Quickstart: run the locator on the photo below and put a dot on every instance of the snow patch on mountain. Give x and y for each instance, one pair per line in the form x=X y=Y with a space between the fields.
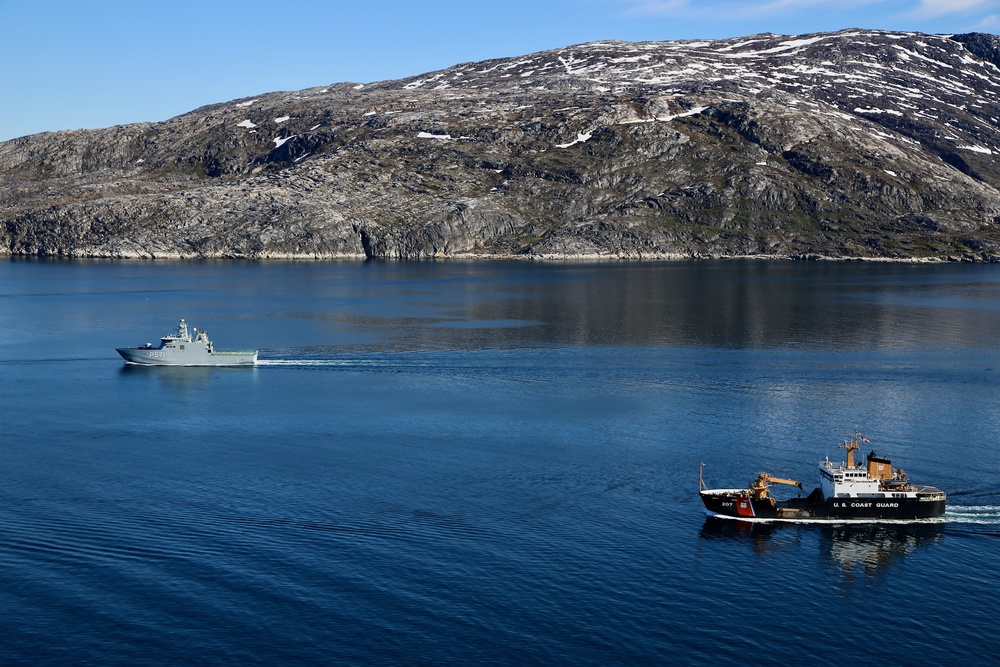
x=581 y=137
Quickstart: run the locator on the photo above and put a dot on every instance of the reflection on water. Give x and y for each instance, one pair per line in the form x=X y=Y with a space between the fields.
x=868 y=549
x=763 y=538
x=753 y=305
x=715 y=304
x=330 y=308
x=181 y=378
x=862 y=549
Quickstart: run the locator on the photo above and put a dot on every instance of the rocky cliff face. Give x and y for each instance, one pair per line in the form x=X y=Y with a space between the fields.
x=850 y=144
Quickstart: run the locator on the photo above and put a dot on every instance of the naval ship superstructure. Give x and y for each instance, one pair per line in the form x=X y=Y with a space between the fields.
x=183 y=349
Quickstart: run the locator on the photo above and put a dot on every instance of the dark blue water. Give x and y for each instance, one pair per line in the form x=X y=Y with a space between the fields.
x=451 y=463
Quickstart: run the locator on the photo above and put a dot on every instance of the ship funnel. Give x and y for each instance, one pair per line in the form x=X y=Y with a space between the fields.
x=879 y=467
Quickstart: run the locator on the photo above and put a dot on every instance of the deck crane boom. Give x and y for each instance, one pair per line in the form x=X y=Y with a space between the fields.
x=759 y=487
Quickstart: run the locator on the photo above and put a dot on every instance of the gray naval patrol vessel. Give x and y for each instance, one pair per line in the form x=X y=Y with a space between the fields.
x=181 y=349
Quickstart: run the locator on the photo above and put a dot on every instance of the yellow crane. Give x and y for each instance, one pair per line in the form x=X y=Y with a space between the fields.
x=759 y=487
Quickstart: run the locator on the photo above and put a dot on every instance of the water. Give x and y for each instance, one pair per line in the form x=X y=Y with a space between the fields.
x=449 y=463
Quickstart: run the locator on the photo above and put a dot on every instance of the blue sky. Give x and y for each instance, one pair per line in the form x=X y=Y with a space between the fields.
x=74 y=64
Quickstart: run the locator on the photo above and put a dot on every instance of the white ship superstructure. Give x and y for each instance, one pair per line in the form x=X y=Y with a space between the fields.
x=875 y=480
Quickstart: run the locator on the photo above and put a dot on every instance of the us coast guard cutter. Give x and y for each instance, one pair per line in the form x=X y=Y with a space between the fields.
x=181 y=349
x=870 y=491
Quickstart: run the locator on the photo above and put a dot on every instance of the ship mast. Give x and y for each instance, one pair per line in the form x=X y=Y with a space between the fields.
x=851 y=446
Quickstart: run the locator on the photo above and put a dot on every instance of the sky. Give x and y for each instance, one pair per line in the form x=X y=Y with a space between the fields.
x=71 y=64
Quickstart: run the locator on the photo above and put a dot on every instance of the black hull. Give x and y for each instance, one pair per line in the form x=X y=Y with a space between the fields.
x=835 y=509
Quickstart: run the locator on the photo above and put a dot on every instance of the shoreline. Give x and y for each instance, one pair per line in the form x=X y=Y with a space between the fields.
x=483 y=257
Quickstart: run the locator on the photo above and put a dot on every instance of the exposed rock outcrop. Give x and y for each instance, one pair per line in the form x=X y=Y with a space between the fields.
x=852 y=144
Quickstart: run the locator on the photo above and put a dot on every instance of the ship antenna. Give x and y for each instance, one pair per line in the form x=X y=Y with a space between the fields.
x=701 y=480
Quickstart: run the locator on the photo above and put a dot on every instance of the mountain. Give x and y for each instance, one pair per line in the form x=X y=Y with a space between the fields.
x=855 y=144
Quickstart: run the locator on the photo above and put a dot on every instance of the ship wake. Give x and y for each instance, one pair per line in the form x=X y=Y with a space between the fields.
x=981 y=514
x=317 y=362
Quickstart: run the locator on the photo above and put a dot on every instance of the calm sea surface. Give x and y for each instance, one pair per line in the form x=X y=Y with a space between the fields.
x=450 y=463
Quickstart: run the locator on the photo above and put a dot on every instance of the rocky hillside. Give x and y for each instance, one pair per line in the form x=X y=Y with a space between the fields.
x=850 y=144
